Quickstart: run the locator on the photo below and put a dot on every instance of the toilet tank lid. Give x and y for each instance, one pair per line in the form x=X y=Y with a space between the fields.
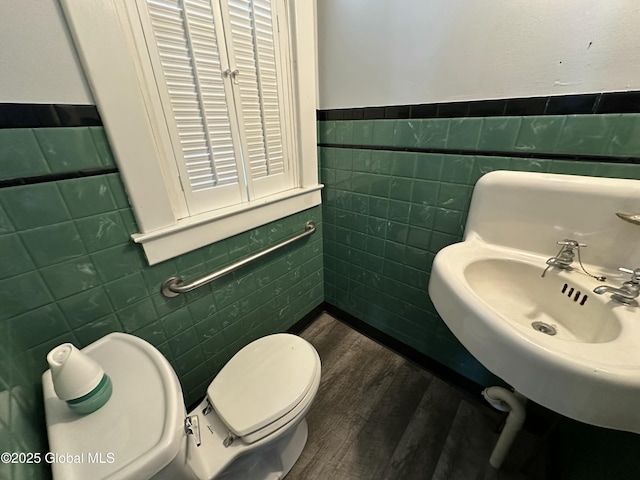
x=136 y=433
x=264 y=381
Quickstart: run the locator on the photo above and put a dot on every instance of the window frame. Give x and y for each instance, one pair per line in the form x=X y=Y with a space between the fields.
x=131 y=117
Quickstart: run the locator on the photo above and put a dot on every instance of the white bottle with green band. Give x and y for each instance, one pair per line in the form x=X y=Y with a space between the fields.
x=78 y=379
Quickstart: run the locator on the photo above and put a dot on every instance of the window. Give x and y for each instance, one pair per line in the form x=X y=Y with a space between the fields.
x=210 y=109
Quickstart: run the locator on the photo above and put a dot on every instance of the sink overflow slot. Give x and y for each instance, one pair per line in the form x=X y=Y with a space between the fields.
x=575 y=296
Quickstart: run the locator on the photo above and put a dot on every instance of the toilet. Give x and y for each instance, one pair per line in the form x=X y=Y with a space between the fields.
x=250 y=425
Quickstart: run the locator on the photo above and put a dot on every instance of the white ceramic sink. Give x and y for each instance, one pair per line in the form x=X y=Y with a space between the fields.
x=551 y=337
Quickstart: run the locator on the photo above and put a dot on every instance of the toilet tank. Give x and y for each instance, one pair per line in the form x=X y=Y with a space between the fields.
x=138 y=434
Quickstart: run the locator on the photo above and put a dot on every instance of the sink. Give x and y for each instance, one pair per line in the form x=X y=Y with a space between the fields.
x=559 y=305
x=550 y=337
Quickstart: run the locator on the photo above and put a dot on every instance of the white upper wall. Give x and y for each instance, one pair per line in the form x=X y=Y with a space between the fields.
x=398 y=52
x=37 y=58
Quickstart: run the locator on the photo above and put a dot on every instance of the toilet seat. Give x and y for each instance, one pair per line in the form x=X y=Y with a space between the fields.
x=265 y=385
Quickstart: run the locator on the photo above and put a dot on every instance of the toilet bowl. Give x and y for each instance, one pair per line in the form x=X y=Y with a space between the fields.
x=250 y=425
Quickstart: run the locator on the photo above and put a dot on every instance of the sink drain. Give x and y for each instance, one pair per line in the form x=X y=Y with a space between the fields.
x=544 y=328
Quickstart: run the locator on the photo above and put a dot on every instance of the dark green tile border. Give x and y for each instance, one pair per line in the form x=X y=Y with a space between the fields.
x=596 y=103
x=29 y=115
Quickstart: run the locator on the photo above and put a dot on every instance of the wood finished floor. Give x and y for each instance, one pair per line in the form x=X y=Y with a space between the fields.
x=378 y=416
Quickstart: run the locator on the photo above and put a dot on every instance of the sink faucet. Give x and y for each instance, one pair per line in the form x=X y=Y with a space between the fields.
x=564 y=258
x=629 y=290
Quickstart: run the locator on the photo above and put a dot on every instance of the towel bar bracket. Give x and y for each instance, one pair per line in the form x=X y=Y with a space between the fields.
x=174 y=286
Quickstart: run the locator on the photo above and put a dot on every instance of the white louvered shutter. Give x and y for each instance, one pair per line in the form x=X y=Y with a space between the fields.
x=183 y=41
x=227 y=131
x=251 y=33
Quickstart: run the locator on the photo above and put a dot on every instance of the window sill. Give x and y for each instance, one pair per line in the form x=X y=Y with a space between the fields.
x=195 y=232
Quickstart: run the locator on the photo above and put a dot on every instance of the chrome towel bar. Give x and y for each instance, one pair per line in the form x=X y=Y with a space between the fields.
x=174 y=286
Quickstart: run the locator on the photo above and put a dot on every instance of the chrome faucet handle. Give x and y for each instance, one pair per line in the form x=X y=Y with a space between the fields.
x=571 y=243
x=635 y=274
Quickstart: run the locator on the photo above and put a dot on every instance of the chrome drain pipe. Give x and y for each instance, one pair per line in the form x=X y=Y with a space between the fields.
x=506 y=401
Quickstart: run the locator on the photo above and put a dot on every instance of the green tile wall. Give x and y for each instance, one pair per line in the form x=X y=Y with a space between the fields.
x=387 y=212
x=70 y=273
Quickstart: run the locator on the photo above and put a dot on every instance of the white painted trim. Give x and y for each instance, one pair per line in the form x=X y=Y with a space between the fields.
x=117 y=76
x=116 y=86
x=201 y=230
x=303 y=52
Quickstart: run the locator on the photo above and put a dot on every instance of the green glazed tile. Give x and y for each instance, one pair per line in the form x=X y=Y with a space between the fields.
x=183 y=342
x=361 y=161
x=73 y=276
x=401 y=188
x=86 y=306
x=97 y=329
x=448 y=221
x=428 y=166
x=403 y=164
x=529 y=165
x=22 y=293
x=454 y=196
x=573 y=167
x=152 y=333
x=407 y=133
x=397 y=232
x=343 y=179
x=138 y=315
x=102 y=146
x=202 y=308
x=419 y=258
x=383 y=132
x=5 y=223
x=53 y=244
x=499 y=134
x=176 y=322
x=13 y=257
x=439 y=240
x=419 y=237
x=394 y=251
x=20 y=155
x=433 y=133
x=156 y=275
x=464 y=133
x=483 y=165
x=344 y=158
x=422 y=215
x=328 y=157
x=327 y=132
x=399 y=211
x=39 y=325
x=381 y=162
x=618 y=170
x=127 y=290
x=32 y=206
x=118 y=191
x=539 y=133
x=165 y=306
x=360 y=203
x=344 y=132
x=68 y=149
x=425 y=192
x=87 y=196
x=587 y=134
x=379 y=185
x=188 y=360
x=102 y=231
x=362 y=132
x=378 y=207
x=129 y=221
x=457 y=169
x=625 y=136
x=116 y=262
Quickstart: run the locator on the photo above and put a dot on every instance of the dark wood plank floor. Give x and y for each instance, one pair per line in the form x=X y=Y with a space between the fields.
x=378 y=416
